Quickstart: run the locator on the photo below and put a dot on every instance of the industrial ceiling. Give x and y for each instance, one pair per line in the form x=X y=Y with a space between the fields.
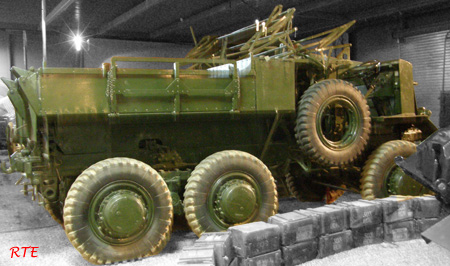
x=169 y=20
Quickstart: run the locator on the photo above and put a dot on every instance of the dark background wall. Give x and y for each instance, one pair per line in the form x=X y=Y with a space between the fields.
x=61 y=53
x=419 y=40
x=374 y=43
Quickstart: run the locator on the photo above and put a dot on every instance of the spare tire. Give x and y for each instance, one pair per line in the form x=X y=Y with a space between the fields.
x=333 y=122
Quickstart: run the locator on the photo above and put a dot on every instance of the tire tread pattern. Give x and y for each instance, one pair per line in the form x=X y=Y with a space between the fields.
x=197 y=188
x=304 y=193
x=305 y=129
x=93 y=253
x=378 y=161
x=53 y=209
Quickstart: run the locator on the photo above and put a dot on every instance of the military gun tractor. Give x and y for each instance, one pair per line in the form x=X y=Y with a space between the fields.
x=113 y=153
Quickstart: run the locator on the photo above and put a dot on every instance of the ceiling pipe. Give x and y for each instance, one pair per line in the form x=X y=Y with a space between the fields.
x=130 y=14
x=388 y=10
x=234 y=4
x=44 y=35
x=25 y=48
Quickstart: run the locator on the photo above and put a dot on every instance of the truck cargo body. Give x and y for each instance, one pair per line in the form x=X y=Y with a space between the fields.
x=141 y=113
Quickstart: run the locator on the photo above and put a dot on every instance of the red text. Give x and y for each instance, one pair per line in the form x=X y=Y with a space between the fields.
x=15 y=251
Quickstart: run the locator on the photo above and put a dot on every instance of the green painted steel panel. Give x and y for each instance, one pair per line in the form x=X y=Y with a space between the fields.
x=139 y=93
x=76 y=93
x=275 y=85
x=157 y=94
x=248 y=93
x=408 y=98
x=81 y=134
x=30 y=90
x=16 y=100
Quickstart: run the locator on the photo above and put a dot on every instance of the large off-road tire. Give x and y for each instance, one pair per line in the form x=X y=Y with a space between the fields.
x=229 y=188
x=303 y=189
x=333 y=122
x=118 y=209
x=55 y=211
x=381 y=177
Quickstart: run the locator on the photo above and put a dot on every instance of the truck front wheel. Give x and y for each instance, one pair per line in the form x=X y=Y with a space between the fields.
x=118 y=209
x=229 y=188
x=55 y=211
x=381 y=177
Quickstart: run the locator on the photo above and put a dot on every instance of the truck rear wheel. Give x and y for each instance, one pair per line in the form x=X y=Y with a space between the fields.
x=333 y=122
x=118 y=209
x=229 y=188
x=381 y=177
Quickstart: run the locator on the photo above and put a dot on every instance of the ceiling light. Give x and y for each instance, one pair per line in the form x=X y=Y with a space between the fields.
x=78 y=41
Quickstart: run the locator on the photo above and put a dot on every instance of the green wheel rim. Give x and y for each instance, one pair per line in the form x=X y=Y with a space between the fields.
x=337 y=122
x=396 y=182
x=225 y=207
x=121 y=212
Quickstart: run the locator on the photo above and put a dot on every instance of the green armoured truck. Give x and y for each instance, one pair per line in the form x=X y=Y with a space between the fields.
x=114 y=153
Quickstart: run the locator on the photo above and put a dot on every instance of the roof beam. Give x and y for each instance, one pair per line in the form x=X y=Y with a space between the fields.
x=381 y=11
x=135 y=11
x=202 y=17
x=396 y=7
x=440 y=26
x=58 y=10
x=198 y=18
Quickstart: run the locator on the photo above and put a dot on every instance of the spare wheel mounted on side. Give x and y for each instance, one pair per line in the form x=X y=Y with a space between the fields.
x=333 y=122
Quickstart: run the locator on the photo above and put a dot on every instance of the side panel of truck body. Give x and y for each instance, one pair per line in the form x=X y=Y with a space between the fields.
x=135 y=112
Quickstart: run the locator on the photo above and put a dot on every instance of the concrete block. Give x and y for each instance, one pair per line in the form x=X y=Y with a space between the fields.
x=368 y=235
x=296 y=227
x=335 y=243
x=221 y=242
x=426 y=207
x=331 y=219
x=396 y=209
x=399 y=231
x=268 y=259
x=197 y=255
x=363 y=213
x=300 y=252
x=253 y=239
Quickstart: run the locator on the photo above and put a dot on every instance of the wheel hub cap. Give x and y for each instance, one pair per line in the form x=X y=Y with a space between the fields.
x=122 y=214
x=401 y=184
x=237 y=201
